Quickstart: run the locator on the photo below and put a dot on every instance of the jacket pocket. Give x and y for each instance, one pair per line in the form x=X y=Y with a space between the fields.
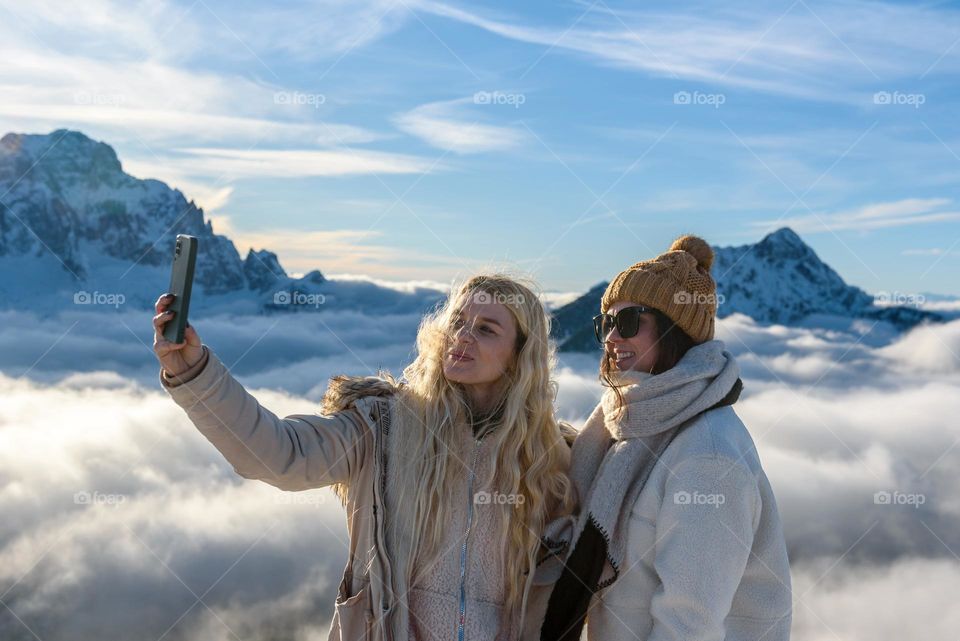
x=354 y=614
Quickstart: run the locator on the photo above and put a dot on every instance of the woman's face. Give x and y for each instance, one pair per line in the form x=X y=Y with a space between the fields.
x=637 y=352
x=481 y=344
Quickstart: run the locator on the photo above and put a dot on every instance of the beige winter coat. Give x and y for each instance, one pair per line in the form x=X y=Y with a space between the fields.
x=352 y=447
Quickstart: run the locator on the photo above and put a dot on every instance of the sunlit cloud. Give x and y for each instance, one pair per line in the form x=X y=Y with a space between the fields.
x=900 y=213
x=171 y=507
x=735 y=48
x=450 y=125
x=351 y=251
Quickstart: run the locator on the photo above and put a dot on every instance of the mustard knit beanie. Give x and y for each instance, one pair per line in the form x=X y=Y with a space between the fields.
x=677 y=282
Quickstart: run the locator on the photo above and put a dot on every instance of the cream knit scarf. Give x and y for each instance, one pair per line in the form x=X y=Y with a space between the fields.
x=615 y=452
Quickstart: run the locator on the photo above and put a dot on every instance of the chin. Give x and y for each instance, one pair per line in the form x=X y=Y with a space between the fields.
x=451 y=376
x=466 y=376
x=456 y=373
x=462 y=380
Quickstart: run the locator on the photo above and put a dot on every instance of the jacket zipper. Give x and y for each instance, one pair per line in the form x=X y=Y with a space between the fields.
x=463 y=549
x=383 y=422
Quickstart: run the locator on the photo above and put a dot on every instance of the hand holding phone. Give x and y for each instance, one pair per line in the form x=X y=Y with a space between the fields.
x=181 y=284
x=176 y=344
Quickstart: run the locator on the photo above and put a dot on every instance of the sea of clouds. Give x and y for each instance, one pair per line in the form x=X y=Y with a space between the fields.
x=122 y=521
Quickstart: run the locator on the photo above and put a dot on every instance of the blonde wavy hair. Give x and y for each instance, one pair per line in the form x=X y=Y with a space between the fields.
x=532 y=454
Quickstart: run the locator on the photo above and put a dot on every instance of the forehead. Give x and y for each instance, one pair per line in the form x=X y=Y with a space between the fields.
x=481 y=307
x=620 y=304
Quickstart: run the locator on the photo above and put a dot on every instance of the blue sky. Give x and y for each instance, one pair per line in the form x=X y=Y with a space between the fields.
x=419 y=140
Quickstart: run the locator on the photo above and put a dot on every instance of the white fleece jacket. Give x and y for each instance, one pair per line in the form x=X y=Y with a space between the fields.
x=706 y=559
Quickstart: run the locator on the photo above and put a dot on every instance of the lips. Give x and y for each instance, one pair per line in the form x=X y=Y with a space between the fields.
x=460 y=357
x=622 y=356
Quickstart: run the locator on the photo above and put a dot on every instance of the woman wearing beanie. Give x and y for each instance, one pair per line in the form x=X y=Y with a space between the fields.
x=679 y=536
x=449 y=478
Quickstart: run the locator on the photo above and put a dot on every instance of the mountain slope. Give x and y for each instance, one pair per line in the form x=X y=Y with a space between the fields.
x=778 y=280
x=72 y=221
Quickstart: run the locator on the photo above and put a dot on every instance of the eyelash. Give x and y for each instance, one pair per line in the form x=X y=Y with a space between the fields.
x=457 y=324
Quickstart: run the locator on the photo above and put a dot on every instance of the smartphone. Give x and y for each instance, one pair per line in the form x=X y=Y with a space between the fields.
x=181 y=283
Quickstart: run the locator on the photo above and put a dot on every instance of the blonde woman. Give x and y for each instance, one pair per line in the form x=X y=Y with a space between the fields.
x=448 y=478
x=679 y=536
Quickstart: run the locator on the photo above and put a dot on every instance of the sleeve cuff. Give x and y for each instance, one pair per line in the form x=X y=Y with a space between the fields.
x=171 y=380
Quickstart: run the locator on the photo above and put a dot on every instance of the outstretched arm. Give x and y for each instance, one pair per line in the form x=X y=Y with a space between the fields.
x=299 y=452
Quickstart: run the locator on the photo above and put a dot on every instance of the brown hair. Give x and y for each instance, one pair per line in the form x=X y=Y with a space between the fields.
x=671 y=342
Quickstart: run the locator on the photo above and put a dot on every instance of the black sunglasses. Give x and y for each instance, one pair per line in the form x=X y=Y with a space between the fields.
x=627 y=322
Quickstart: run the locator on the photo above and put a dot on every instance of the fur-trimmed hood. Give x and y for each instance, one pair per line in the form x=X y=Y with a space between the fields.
x=345 y=390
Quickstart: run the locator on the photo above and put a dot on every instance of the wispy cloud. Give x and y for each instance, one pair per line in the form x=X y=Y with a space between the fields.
x=159 y=102
x=104 y=29
x=308 y=31
x=207 y=175
x=932 y=251
x=160 y=82
x=900 y=213
x=449 y=125
x=209 y=198
x=801 y=49
x=287 y=163
x=347 y=251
